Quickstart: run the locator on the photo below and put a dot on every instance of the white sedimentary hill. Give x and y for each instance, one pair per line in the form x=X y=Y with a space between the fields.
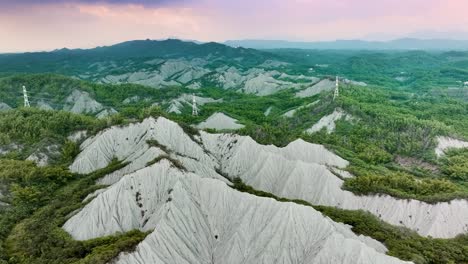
x=300 y=170
x=220 y=121
x=446 y=143
x=170 y=72
x=328 y=121
x=323 y=85
x=199 y=220
x=268 y=111
x=176 y=105
x=4 y=106
x=81 y=102
x=106 y=113
x=130 y=144
x=41 y=104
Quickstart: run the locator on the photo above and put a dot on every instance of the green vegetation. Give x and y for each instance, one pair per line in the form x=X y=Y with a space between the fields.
x=42 y=199
x=455 y=165
x=54 y=89
x=415 y=70
x=30 y=125
x=402 y=243
x=76 y=62
x=386 y=124
x=406 y=186
x=29 y=130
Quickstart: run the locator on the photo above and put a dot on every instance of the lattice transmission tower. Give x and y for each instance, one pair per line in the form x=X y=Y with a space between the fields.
x=25 y=95
x=194 y=106
x=337 y=89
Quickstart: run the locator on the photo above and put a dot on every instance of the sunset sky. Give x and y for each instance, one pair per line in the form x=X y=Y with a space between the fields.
x=27 y=25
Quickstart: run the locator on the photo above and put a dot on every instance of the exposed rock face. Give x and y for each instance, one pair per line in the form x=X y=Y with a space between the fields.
x=301 y=77
x=328 y=121
x=446 y=143
x=5 y=149
x=258 y=81
x=42 y=157
x=200 y=220
x=230 y=78
x=347 y=81
x=133 y=99
x=44 y=105
x=161 y=73
x=177 y=104
x=106 y=113
x=4 y=107
x=129 y=144
x=273 y=64
x=78 y=136
x=194 y=86
x=143 y=77
x=299 y=171
x=323 y=85
x=292 y=112
x=171 y=72
x=264 y=83
x=220 y=121
x=268 y=111
x=81 y=102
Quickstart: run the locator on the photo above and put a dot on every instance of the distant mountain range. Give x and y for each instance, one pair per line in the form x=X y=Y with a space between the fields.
x=398 y=44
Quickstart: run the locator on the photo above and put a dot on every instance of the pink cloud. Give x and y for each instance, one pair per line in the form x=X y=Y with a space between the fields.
x=50 y=26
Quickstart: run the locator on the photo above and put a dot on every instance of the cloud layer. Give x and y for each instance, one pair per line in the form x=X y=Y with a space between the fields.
x=44 y=25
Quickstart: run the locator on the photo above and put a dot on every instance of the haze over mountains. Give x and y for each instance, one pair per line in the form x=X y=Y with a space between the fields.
x=397 y=44
x=418 y=41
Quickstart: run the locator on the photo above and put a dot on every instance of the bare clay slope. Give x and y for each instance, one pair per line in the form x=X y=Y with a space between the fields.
x=299 y=171
x=199 y=220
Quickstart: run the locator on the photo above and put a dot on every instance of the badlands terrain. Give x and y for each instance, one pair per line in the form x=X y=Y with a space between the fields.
x=109 y=165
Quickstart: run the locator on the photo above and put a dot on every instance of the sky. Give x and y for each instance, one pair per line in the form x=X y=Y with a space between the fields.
x=31 y=25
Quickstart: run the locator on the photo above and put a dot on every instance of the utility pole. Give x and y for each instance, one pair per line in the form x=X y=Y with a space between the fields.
x=337 y=90
x=194 y=106
x=25 y=95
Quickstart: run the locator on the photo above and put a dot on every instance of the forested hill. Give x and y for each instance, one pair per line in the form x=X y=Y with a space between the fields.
x=172 y=62
x=75 y=61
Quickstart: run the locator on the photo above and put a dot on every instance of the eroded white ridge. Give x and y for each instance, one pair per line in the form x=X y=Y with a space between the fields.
x=300 y=170
x=130 y=145
x=328 y=121
x=446 y=143
x=220 y=121
x=200 y=220
x=316 y=88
